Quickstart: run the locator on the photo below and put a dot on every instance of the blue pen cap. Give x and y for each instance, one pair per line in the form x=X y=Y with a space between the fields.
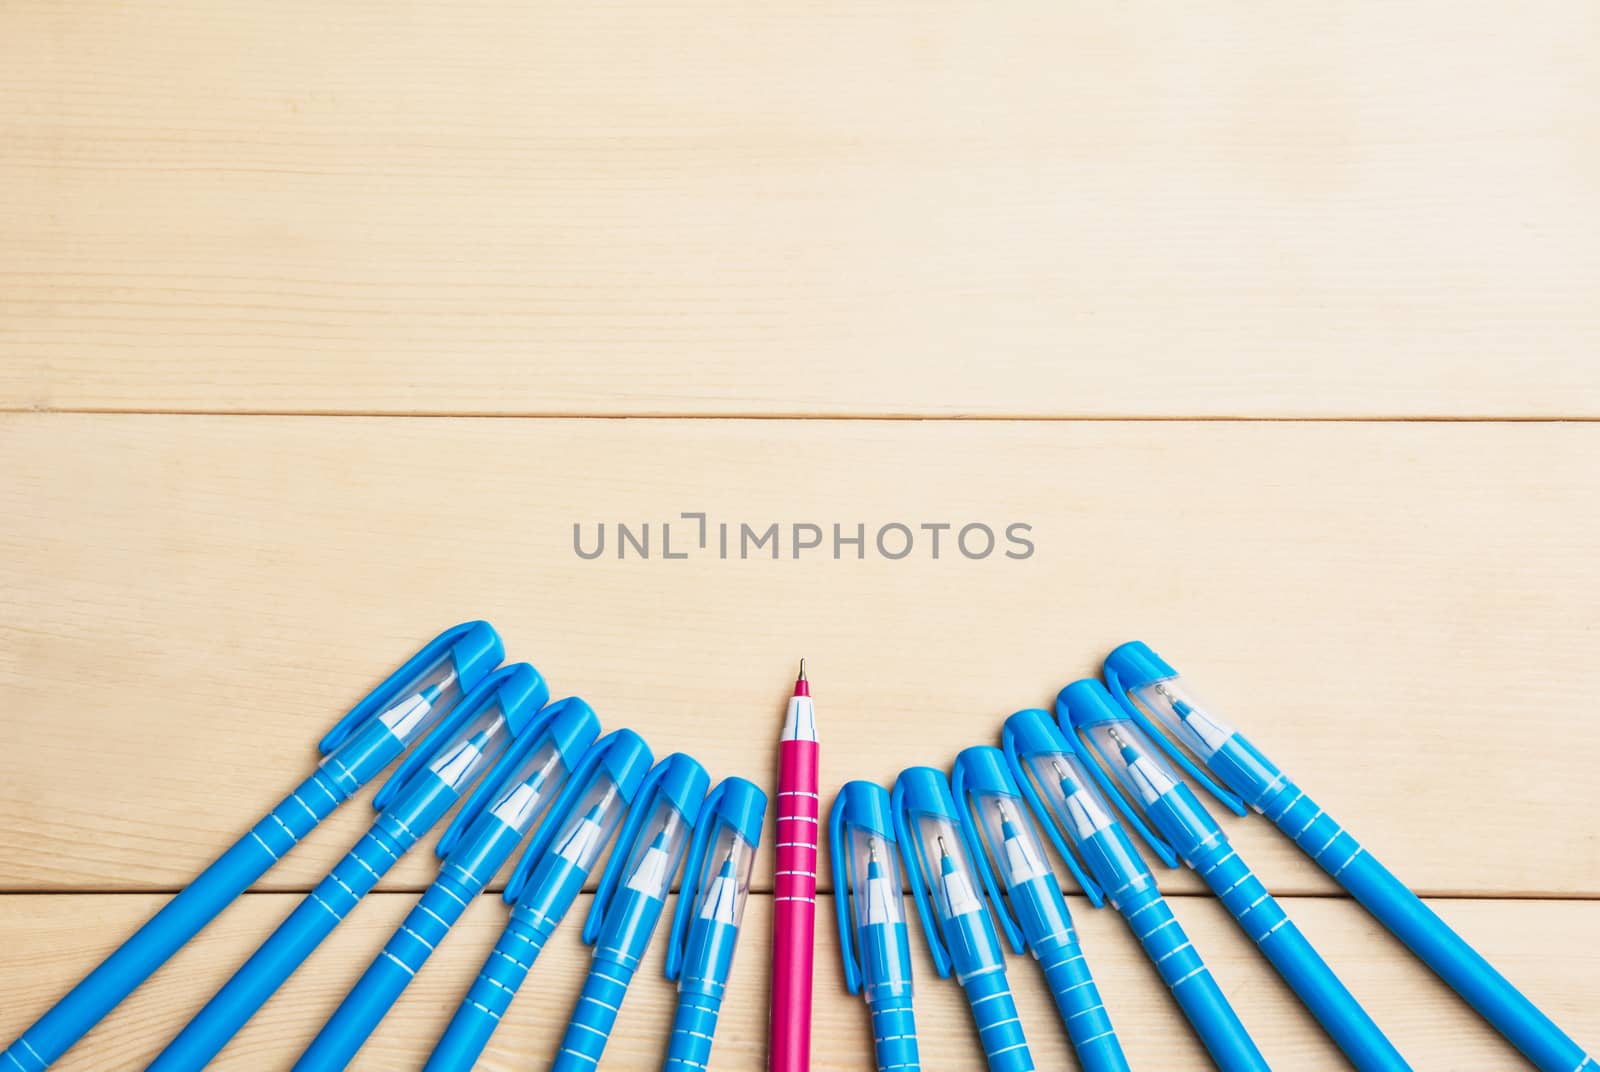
x=1086 y=707
x=866 y=876
x=475 y=733
x=1155 y=696
x=531 y=773
x=591 y=806
x=1042 y=761
x=723 y=850
x=653 y=840
x=412 y=699
x=940 y=862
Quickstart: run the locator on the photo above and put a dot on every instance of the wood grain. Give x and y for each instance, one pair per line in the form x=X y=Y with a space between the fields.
x=1548 y=948
x=704 y=207
x=1402 y=614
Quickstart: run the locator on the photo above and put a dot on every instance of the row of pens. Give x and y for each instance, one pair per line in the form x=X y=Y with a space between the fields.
x=487 y=737
x=1109 y=760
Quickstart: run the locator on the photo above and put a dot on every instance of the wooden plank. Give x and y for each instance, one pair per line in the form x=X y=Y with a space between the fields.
x=1548 y=948
x=720 y=208
x=1402 y=614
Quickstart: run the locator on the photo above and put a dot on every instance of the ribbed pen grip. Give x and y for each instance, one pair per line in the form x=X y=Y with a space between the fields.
x=180 y=920
x=894 y=1035
x=1428 y=936
x=1192 y=986
x=693 y=1028
x=594 y=1016
x=1301 y=966
x=385 y=979
x=1066 y=972
x=490 y=995
x=999 y=1029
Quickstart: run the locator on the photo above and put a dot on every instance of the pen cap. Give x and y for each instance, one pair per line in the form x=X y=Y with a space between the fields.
x=474 y=734
x=590 y=808
x=866 y=876
x=1110 y=736
x=939 y=860
x=531 y=773
x=411 y=700
x=1156 y=697
x=652 y=843
x=723 y=851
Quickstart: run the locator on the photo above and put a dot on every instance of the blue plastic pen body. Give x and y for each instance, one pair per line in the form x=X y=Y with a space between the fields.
x=383 y=724
x=299 y=935
x=1179 y=818
x=1033 y=911
x=628 y=905
x=1132 y=890
x=960 y=931
x=616 y=960
x=427 y=786
x=484 y=835
x=548 y=879
x=1046 y=764
x=708 y=957
x=1133 y=671
x=554 y=885
x=705 y=922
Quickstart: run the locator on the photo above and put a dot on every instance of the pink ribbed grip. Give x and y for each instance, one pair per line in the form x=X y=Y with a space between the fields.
x=794 y=908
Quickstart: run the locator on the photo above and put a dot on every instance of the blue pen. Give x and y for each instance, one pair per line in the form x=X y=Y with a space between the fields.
x=547 y=880
x=1053 y=778
x=428 y=784
x=624 y=915
x=369 y=738
x=1152 y=693
x=871 y=914
x=961 y=934
x=1184 y=828
x=504 y=807
x=705 y=923
x=991 y=809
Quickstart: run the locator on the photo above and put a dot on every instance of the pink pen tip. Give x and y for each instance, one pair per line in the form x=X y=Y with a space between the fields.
x=802 y=687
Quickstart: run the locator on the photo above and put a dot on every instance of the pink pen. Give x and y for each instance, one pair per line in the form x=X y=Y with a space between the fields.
x=794 y=887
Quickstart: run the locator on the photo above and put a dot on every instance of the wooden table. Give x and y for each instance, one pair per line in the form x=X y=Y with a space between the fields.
x=322 y=329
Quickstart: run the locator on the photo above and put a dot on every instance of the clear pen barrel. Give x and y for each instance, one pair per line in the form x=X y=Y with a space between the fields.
x=530 y=788
x=657 y=851
x=1009 y=837
x=730 y=861
x=472 y=748
x=1134 y=759
x=590 y=823
x=948 y=871
x=1067 y=791
x=1171 y=705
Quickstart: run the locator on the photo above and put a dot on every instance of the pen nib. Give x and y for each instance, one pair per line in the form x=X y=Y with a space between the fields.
x=802 y=687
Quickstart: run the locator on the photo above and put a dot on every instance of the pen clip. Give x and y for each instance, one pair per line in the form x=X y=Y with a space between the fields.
x=1136 y=658
x=680 y=782
x=518 y=689
x=844 y=891
x=1035 y=727
x=978 y=764
x=738 y=806
x=466 y=652
x=626 y=758
x=1080 y=707
x=569 y=724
